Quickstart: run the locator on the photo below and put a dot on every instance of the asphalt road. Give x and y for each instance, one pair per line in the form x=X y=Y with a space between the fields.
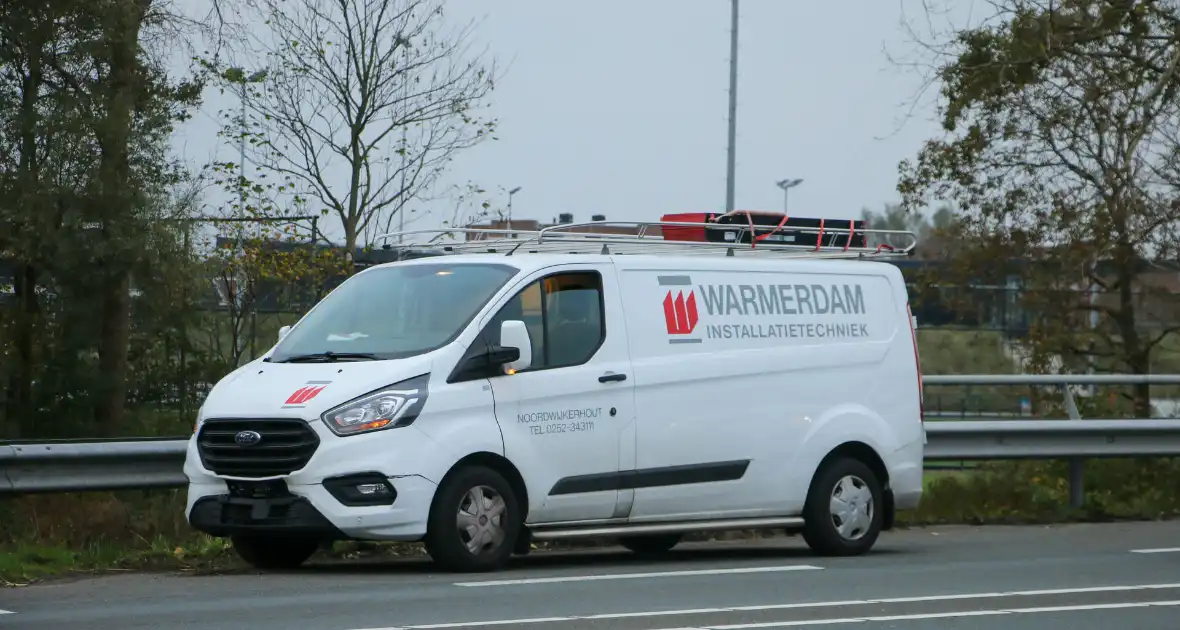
x=1089 y=577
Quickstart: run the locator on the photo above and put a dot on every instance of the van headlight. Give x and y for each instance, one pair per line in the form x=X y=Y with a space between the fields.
x=397 y=405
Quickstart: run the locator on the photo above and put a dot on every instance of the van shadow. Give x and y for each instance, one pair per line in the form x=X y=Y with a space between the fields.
x=600 y=558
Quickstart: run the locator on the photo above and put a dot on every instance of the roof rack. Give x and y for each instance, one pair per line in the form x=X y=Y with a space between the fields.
x=649 y=237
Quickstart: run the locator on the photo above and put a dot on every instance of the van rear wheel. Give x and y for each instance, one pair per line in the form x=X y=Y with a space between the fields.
x=275 y=551
x=651 y=545
x=474 y=522
x=843 y=515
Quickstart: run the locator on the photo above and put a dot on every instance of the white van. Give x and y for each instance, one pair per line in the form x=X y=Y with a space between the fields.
x=568 y=383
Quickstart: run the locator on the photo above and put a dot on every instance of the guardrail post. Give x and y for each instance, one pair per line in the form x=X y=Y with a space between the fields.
x=1077 y=494
x=1077 y=467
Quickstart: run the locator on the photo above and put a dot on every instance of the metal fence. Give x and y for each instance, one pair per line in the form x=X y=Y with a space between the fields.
x=74 y=466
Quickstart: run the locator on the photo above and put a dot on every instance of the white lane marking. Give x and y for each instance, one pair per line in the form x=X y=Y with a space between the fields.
x=801 y=605
x=945 y=615
x=634 y=576
x=501 y=622
x=1164 y=550
x=7 y=612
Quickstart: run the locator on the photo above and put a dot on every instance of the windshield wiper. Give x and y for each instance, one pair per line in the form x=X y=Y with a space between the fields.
x=329 y=357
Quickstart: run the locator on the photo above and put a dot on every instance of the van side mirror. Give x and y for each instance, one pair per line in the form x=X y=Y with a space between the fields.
x=283 y=332
x=515 y=335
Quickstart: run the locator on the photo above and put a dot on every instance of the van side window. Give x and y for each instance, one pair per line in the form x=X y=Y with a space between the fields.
x=563 y=314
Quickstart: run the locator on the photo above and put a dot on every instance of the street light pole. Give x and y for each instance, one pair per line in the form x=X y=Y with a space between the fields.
x=510 y=194
x=787 y=185
x=401 y=199
x=242 y=158
x=731 y=158
x=256 y=77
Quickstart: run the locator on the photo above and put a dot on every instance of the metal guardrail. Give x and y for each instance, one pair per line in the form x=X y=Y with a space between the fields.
x=141 y=463
x=994 y=440
x=69 y=466
x=1051 y=379
x=1074 y=440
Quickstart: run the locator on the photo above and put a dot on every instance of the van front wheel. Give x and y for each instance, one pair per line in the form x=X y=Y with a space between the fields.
x=274 y=552
x=843 y=513
x=474 y=522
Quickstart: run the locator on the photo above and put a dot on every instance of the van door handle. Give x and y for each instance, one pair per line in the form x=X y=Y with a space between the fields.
x=611 y=378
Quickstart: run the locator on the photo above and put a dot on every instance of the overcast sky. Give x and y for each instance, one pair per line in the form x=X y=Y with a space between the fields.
x=618 y=107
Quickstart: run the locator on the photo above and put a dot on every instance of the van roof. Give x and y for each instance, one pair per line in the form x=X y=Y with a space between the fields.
x=539 y=261
x=665 y=239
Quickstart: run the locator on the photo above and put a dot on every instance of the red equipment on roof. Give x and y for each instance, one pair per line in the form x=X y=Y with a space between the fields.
x=757 y=222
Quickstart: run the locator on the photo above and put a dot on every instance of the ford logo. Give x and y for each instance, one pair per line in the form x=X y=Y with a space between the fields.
x=248 y=438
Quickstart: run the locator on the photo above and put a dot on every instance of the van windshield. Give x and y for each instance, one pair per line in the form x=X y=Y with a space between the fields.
x=393 y=312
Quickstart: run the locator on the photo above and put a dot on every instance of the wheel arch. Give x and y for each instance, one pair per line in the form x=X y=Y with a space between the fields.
x=500 y=464
x=862 y=452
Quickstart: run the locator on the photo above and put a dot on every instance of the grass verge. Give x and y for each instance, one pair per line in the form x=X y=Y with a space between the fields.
x=1038 y=492
x=64 y=535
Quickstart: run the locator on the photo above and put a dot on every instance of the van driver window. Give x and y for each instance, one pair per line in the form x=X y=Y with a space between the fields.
x=563 y=314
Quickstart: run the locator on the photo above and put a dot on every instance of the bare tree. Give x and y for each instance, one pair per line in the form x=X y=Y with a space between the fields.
x=364 y=105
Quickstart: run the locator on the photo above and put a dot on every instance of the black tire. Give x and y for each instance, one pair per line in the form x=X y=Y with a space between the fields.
x=651 y=545
x=820 y=529
x=448 y=546
x=274 y=551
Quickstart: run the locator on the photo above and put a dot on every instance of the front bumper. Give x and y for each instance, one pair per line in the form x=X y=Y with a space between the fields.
x=302 y=504
x=311 y=510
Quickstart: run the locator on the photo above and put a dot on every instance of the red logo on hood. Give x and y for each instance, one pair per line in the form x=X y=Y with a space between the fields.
x=304 y=394
x=680 y=314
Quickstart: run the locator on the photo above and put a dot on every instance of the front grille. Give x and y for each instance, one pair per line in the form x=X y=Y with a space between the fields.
x=286 y=446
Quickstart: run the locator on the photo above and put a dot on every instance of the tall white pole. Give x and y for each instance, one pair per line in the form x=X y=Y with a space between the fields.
x=731 y=160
